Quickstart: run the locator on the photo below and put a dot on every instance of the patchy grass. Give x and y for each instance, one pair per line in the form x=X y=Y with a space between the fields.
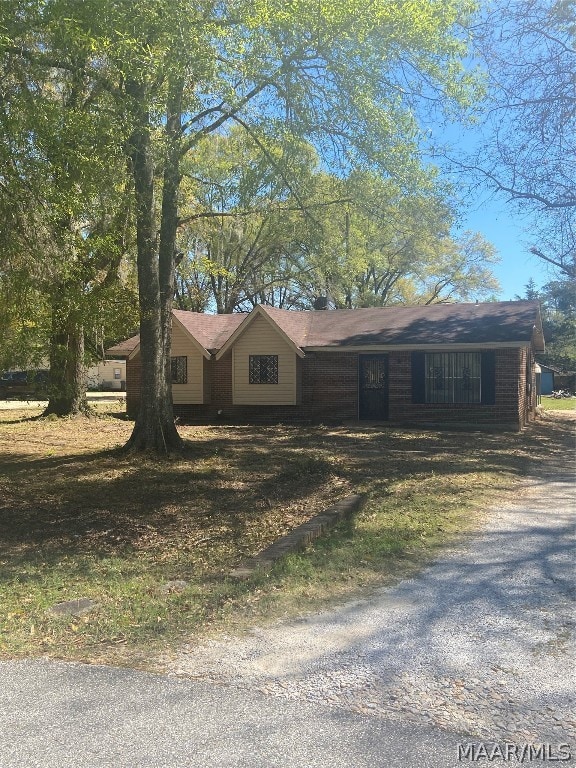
x=558 y=404
x=78 y=520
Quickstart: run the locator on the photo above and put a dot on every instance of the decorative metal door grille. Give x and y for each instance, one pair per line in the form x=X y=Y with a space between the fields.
x=373 y=387
x=373 y=374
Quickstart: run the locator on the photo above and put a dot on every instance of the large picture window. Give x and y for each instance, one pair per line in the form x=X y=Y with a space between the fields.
x=179 y=368
x=453 y=377
x=263 y=369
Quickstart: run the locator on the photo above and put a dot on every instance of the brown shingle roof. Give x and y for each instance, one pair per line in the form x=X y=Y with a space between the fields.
x=489 y=323
x=211 y=331
x=296 y=325
x=123 y=348
x=493 y=322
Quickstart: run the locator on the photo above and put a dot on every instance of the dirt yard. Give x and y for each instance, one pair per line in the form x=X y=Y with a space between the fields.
x=79 y=520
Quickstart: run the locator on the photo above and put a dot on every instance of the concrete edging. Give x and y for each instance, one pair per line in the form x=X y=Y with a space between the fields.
x=300 y=536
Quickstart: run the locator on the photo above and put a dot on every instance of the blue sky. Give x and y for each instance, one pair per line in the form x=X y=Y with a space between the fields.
x=509 y=232
x=490 y=213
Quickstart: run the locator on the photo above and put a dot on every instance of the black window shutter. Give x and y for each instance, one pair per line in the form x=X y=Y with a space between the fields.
x=488 y=374
x=418 y=377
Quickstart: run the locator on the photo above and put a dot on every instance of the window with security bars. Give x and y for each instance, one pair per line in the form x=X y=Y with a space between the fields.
x=453 y=377
x=263 y=369
x=179 y=368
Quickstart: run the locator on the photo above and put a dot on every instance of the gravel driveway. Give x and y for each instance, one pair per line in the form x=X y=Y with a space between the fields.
x=480 y=642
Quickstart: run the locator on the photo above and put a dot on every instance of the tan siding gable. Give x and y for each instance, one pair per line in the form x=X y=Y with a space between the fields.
x=193 y=391
x=261 y=338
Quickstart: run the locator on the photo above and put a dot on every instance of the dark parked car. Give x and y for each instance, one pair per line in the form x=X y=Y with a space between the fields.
x=24 y=384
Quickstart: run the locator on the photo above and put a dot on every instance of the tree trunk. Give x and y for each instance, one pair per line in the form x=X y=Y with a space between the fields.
x=154 y=429
x=67 y=391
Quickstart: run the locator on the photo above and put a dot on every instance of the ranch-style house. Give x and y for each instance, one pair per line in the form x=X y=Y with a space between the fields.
x=467 y=363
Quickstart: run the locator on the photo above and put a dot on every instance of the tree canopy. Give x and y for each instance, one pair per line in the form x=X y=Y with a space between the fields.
x=65 y=223
x=288 y=234
x=347 y=77
x=558 y=302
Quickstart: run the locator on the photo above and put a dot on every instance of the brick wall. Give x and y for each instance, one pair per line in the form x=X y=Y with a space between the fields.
x=207 y=375
x=329 y=392
x=221 y=393
x=506 y=411
x=330 y=385
x=527 y=398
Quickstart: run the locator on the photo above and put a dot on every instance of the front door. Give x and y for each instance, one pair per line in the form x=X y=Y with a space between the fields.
x=373 y=387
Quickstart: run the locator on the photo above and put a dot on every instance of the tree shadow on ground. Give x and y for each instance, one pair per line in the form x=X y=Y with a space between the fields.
x=234 y=481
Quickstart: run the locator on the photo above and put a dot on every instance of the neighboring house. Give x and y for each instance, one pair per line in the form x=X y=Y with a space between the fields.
x=468 y=363
x=107 y=375
x=553 y=378
x=546 y=379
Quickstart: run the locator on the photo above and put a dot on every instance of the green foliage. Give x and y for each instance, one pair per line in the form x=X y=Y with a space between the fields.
x=560 y=333
x=558 y=304
x=241 y=202
x=140 y=85
x=381 y=245
x=265 y=225
x=343 y=74
x=64 y=210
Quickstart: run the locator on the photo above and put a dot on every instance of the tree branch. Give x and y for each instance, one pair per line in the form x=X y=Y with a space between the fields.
x=566 y=268
x=255 y=212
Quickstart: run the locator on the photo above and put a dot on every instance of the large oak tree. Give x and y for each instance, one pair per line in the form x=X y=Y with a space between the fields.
x=65 y=216
x=348 y=76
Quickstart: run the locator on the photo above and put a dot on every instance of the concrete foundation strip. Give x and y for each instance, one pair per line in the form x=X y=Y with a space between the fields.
x=300 y=536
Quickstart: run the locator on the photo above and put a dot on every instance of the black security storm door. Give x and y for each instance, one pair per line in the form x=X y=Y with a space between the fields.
x=373 y=387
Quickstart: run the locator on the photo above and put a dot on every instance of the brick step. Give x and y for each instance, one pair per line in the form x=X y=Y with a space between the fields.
x=301 y=536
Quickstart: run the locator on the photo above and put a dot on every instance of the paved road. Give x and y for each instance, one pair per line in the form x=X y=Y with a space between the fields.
x=57 y=715
x=92 y=397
